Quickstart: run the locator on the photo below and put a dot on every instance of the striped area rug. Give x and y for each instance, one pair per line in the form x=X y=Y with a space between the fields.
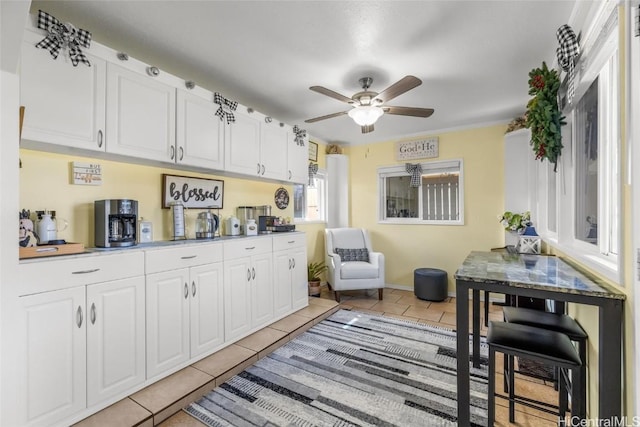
x=352 y=369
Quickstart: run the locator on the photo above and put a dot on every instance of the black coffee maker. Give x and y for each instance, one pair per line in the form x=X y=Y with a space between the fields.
x=115 y=223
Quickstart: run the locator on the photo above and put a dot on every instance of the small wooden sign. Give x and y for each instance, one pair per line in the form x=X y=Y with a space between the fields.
x=420 y=149
x=192 y=192
x=86 y=173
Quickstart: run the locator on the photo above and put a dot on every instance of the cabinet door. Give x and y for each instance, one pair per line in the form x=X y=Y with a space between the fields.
x=115 y=338
x=54 y=357
x=237 y=297
x=207 y=308
x=140 y=115
x=64 y=105
x=299 y=283
x=167 y=320
x=297 y=160
x=242 y=143
x=283 y=264
x=199 y=132
x=273 y=151
x=262 y=292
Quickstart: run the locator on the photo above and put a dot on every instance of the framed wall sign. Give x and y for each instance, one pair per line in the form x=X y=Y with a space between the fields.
x=313 y=151
x=420 y=149
x=192 y=192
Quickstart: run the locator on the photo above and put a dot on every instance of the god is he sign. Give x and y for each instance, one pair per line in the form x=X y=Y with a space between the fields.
x=420 y=149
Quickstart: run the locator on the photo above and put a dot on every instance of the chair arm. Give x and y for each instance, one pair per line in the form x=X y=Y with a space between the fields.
x=376 y=258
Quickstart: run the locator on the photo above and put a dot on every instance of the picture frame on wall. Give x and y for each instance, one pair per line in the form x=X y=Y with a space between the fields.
x=313 y=151
x=199 y=193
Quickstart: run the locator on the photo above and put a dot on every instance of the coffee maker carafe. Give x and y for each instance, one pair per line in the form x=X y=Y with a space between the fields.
x=116 y=223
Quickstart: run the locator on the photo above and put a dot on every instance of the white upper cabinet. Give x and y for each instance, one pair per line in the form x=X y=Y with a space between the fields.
x=199 y=132
x=242 y=143
x=64 y=105
x=141 y=113
x=297 y=159
x=274 y=141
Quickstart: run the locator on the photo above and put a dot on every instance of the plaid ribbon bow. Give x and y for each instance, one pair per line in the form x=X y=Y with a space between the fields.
x=567 y=52
x=415 y=170
x=300 y=134
x=313 y=170
x=63 y=36
x=226 y=108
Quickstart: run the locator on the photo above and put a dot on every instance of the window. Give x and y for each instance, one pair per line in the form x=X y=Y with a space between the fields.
x=437 y=200
x=310 y=201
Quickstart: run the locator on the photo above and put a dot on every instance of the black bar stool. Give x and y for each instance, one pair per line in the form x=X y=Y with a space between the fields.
x=542 y=345
x=555 y=322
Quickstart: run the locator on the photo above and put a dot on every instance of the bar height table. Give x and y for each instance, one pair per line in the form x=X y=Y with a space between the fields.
x=545 y=277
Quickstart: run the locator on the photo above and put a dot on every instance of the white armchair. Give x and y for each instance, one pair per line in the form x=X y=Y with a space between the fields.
x=351 y=262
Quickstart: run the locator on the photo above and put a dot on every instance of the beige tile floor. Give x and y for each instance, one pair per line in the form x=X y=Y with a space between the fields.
x=160 y=403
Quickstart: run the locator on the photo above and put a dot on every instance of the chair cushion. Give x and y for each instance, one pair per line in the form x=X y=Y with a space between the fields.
x=347 y=255
x=555 y=322
x=523 y=340
x=358 y=270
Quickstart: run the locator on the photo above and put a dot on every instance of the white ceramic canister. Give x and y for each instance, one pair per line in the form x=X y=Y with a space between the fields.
x=252 y=228
x=47 y=228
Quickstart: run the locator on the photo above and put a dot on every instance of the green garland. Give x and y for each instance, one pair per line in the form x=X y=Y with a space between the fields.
x=543 y=115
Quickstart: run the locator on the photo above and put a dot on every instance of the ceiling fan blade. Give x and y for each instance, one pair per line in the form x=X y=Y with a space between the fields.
x=409 y=111
x=328 y=116
x=366 y=128
x=331 y=94
x=398 y=88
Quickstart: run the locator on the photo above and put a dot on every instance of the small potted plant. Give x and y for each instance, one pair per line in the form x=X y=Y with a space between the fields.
x=314 y=271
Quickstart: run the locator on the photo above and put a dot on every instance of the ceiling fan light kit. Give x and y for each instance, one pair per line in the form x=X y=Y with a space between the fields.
x=368 y=105
x=365 y=115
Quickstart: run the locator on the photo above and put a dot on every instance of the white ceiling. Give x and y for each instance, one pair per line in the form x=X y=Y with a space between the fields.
x=473 y=57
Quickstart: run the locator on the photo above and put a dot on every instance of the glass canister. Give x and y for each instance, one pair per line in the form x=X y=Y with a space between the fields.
x=244 y=214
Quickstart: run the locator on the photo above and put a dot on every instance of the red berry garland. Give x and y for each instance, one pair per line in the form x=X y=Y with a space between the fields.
x=543 y=115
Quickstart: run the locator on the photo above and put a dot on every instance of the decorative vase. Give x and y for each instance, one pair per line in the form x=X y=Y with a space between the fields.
x=511 y=238
x=314 y=289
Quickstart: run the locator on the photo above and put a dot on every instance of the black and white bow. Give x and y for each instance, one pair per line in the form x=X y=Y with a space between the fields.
x=62 y=36
x=226 y=108
x=567 y=53
x=415 y=170
x=300 y=135
x=313 y=170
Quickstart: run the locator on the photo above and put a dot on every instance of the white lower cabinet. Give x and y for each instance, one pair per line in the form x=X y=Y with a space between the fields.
x=290 y=274
x=184 y=305
x=248 y=285
x=83 y=345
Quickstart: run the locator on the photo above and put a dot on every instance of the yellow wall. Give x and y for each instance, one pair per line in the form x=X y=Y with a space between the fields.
x=407 y=247
x=45 y=184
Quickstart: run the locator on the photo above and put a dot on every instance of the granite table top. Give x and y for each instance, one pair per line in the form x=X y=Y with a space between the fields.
x=534 y=272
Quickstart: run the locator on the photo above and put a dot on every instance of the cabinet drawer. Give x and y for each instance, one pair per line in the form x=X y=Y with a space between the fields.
x=288 y=240
x=247 y=247
x=49 y=275
x=165 y=259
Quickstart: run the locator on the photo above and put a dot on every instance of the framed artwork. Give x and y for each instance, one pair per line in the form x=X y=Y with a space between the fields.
x=313 y=151
x=200 y=193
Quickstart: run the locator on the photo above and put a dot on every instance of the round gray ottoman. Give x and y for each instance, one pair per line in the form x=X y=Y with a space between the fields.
x=430 y=284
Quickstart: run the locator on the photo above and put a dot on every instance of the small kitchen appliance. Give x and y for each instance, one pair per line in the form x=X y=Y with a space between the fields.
x=232 y=226
x=206 y=225
x=244 y=214
x=264 y=221
x=264 y=210
x=115 y=222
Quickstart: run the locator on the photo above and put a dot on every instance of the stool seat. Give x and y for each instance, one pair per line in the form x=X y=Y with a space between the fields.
x=534 y=343
x=430 y=284
x=552 y=321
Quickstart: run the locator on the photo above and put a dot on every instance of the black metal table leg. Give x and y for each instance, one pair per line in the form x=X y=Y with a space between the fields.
x=462 y=348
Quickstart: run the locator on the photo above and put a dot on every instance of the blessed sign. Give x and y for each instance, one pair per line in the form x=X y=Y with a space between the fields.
x=420 y=149
x=192 y=192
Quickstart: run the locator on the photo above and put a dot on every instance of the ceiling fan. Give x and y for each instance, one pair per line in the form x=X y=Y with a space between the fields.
x=368 y=105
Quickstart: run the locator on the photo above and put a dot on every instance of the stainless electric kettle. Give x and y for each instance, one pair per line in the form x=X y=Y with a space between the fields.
x=206 y=225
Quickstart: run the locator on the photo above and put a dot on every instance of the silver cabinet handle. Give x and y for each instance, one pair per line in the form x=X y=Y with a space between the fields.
x=248 y=275
x=289 y=263
x=258 y=168
x=289 y=174
x=294 y=262
x=85 y=271
x=79 y=317
x=186 y=290
x=92 y=314
x=189 y=257
x=291 y=241
x=100 y=138
x=250 y=248
x=253 y=273
x=173 y=152
x=193 y=288
x=262 y=170
x=181 y=153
